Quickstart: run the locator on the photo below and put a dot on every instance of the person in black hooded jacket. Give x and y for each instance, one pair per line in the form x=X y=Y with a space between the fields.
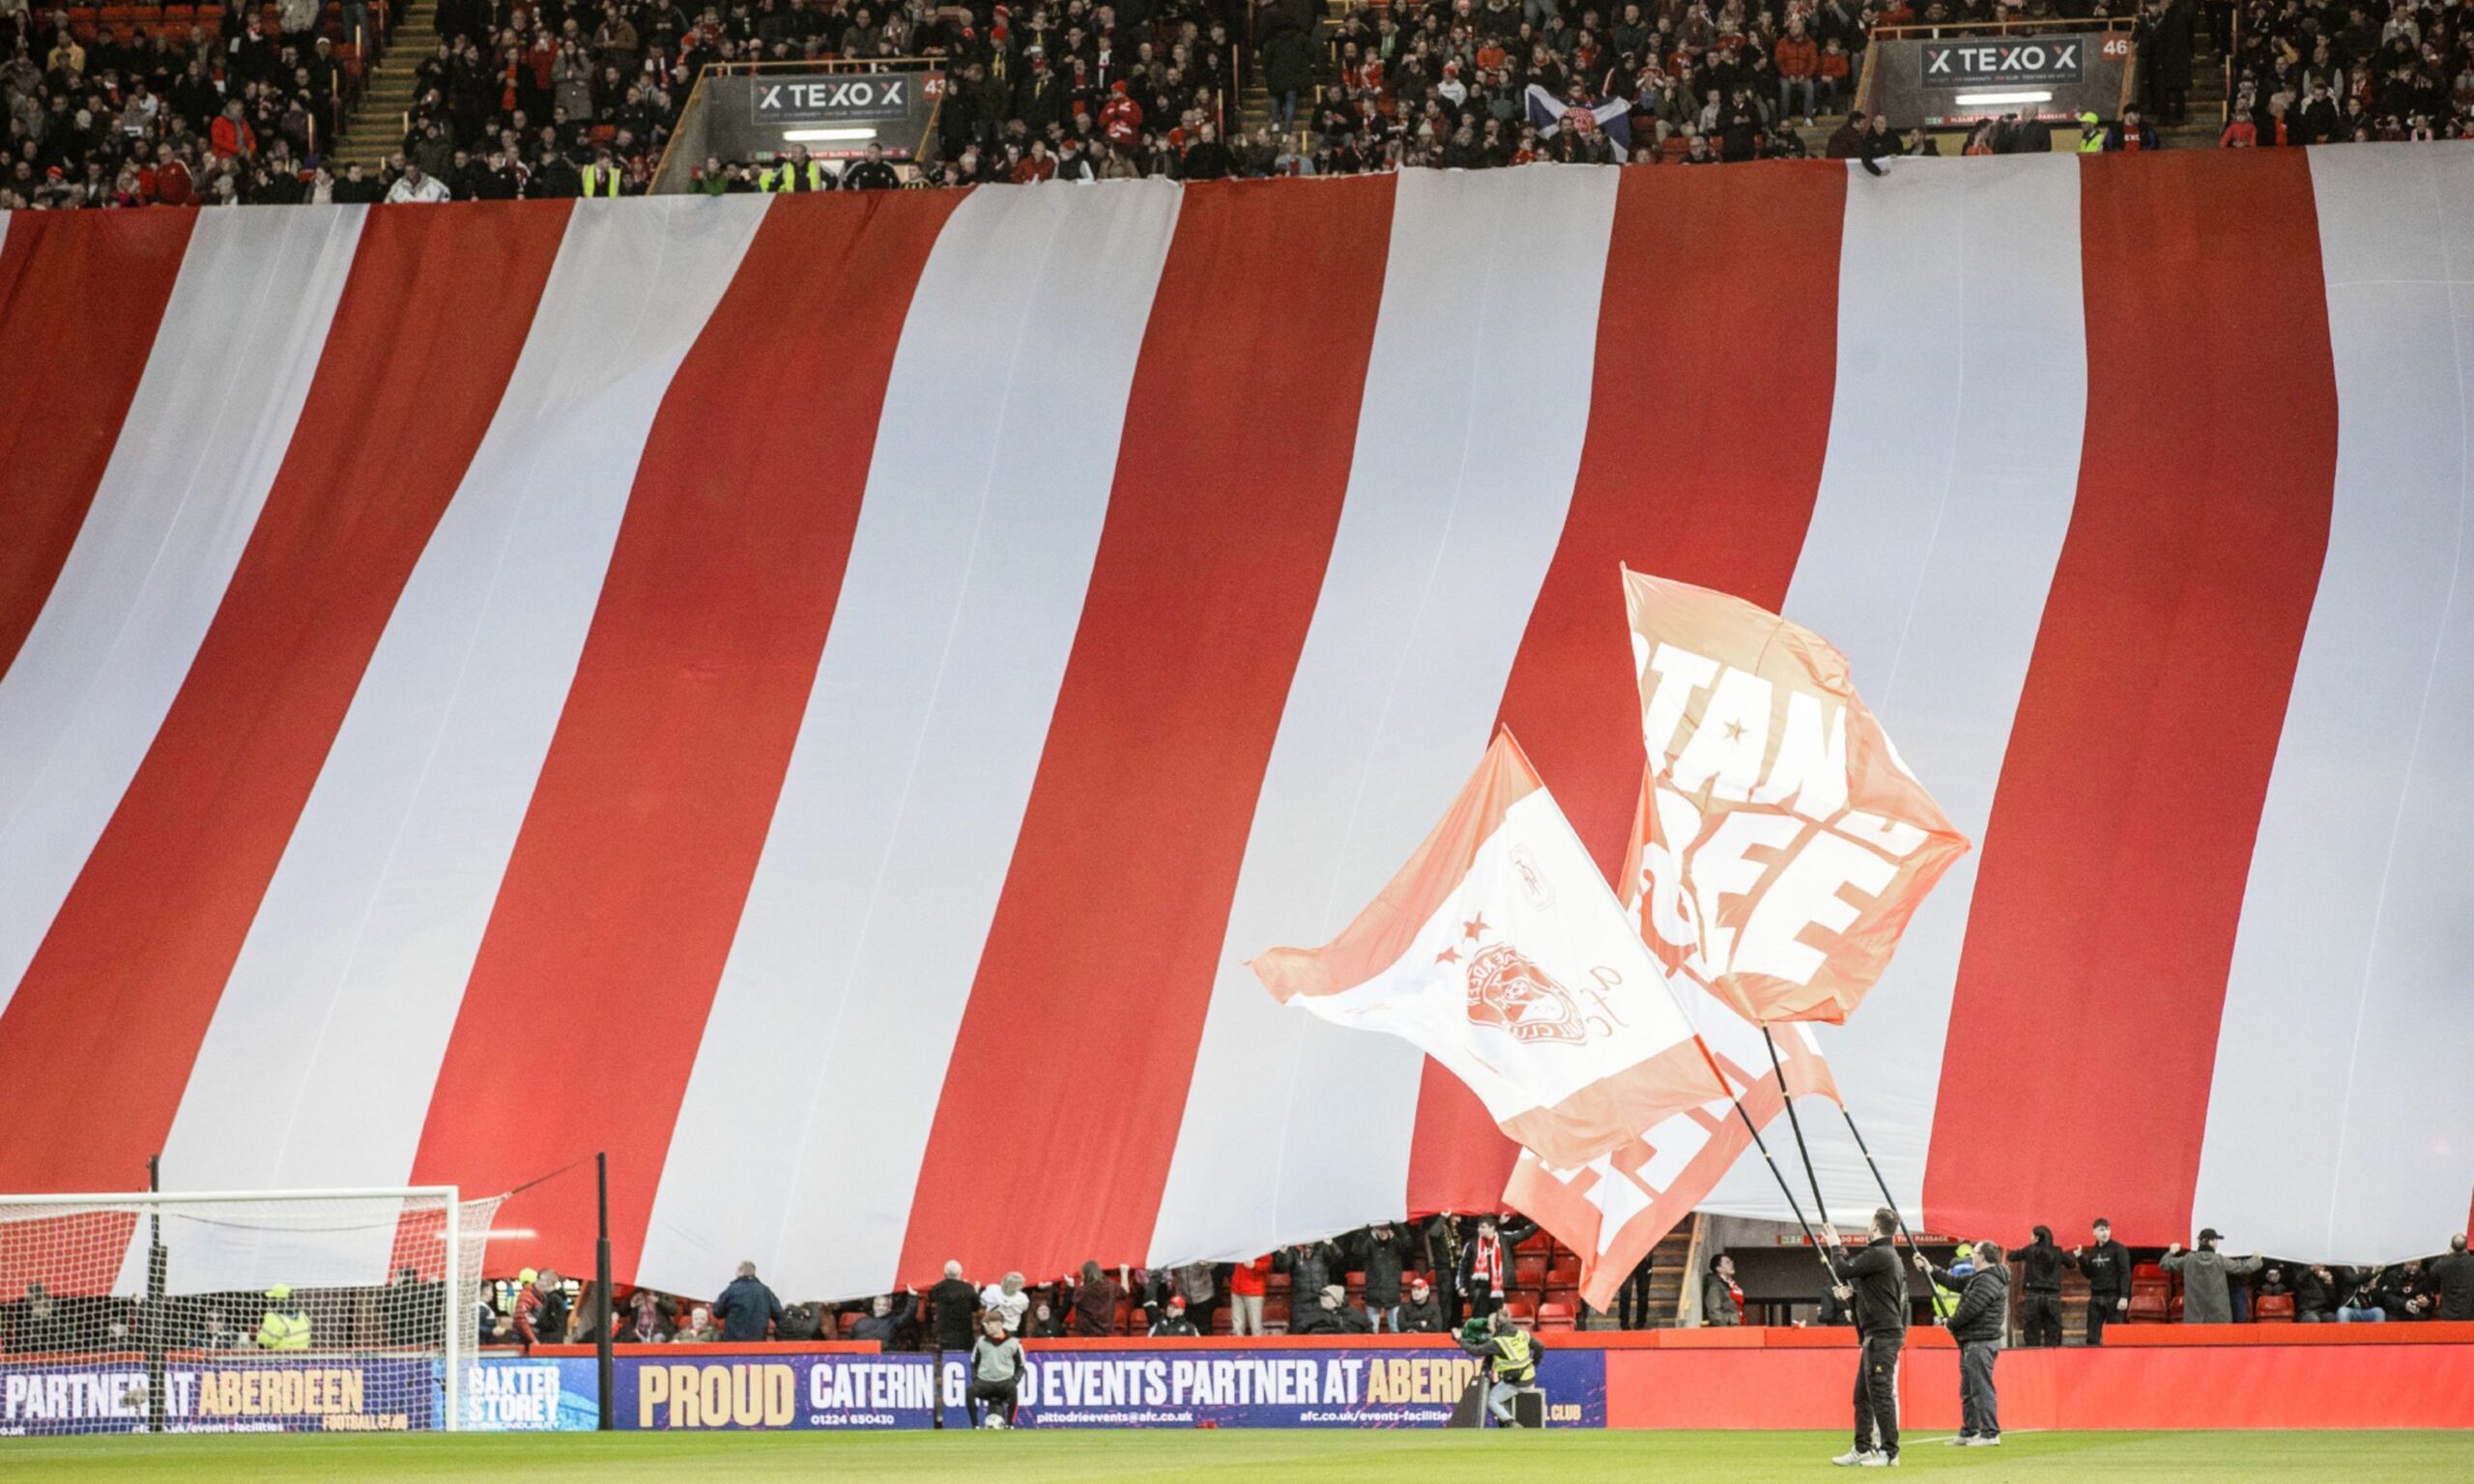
x=2040 y=1271
x=2107 y=1265
x=1979 y=1324
x=1873 y=1282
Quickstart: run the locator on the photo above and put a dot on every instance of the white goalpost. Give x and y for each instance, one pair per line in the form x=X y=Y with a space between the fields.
x=349 y=1310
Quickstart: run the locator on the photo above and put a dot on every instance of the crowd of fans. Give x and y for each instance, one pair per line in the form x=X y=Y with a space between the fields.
x=1429 y=1277
x=1390 y=1277
x=1426 y=1277
x=231 y=106
x=567 y=98
x=2317 y=72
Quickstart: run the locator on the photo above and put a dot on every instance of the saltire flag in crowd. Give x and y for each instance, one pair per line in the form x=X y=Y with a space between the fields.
x=1552 y=115
x=1499 y=951
x=1781 y=845
x=819 y=697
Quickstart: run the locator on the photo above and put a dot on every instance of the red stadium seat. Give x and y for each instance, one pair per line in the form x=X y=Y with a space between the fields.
x=1529 y=1269
x=2273 y=1309
x=1563 y=1272
x=2151 y=1295
x=1552 y=1314
x=1536 y=1241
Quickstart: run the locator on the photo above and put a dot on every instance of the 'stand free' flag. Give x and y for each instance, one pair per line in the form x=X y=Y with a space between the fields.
x=1783 y=843
x=1499 y=951
x=1615 y=1209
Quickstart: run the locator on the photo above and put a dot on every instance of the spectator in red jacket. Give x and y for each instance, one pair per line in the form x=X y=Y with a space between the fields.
x=541 y=1307
x=1121 y=117
x=1797 y=59
x=231 y=133
x=1246 y=1282
x=1037 y=167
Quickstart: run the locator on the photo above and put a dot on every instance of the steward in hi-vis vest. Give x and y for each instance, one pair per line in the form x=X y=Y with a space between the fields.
x=797 y=173
x=602 y=177
x=1510 y=1353
x=283 y=1327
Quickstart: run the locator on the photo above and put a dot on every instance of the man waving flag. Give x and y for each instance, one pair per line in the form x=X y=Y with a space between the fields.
x=1499 y=951
x=1784 y=845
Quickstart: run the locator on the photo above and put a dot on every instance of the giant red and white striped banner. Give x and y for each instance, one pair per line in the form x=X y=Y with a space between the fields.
x=819 y=697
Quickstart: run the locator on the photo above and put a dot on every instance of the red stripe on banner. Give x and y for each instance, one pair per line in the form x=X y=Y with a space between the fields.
x=626 y=885
x=2083 y=1035
x=80 y=297
x=96 y=1049
x=1068 y=1078
x=1704 y=471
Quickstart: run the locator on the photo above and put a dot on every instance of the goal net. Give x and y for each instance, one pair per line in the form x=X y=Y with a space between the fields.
x=268 y=1311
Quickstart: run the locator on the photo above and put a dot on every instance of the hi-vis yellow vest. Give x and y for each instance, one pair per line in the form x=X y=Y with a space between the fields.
x=1519 y=1365
x=602 y=180
x=2094 y=144
x=783 y=177
x=279 y=1330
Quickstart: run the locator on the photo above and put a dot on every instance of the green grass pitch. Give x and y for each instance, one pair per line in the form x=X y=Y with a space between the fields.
x=1233 y=1457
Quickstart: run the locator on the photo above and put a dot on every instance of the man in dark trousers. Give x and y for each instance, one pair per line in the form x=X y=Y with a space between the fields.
x=2040 y=1274
x=1978 y=1324
x=1380 y=1252
x=953 y=1308
x=1874 y=1283
x=2107 y=1265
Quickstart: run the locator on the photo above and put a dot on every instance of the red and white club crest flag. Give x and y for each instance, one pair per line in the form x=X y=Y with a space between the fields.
x=1499 y=951
x=1614 y=1208
x=1782 y=844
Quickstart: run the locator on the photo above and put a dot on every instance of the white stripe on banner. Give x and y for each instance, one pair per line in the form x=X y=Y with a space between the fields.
x=799 y=1139
x=1953 y=464
x=204 y=433
x=318 y=1066
x=1469 y=439
x=2342 y=1119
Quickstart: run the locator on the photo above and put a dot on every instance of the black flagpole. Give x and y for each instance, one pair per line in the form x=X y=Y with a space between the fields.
x=1785 y=1095
x=1819 y=1251
x=1932 y=1289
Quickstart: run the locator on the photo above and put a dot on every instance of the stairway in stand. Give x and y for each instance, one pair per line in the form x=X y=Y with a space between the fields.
x=376 y=127
x=1667 y=1276
x=2206 y=107
x=1255 y=103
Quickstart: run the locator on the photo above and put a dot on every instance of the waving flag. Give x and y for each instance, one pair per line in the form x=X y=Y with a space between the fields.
x=1611 y=117
x=1782 y=844
x=1499 y=951
x=1615 y=1209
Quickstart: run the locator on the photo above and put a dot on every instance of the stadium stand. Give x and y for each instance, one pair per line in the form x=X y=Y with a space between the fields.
x=127 y=106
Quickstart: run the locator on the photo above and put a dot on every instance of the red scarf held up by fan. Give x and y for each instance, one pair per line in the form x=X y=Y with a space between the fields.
x=1487 y=1269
